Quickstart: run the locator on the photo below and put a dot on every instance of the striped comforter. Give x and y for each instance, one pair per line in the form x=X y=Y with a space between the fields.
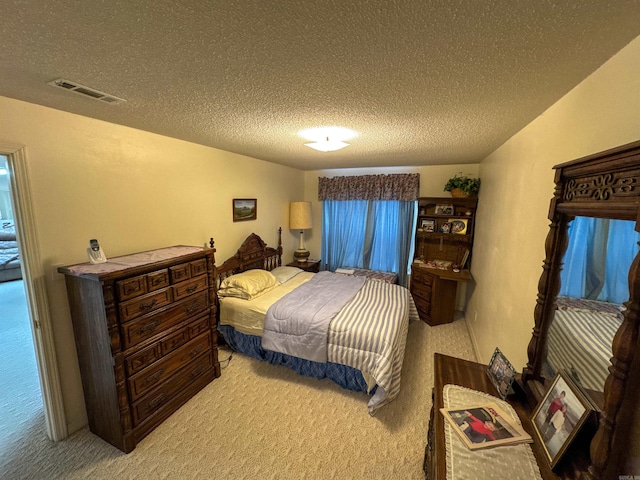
x=370 y=334
x=580 y=340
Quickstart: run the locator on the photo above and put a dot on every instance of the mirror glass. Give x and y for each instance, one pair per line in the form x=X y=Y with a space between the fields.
x=593 y=288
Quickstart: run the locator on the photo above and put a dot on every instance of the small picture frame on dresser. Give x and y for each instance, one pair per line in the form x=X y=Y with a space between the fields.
x=501 y=373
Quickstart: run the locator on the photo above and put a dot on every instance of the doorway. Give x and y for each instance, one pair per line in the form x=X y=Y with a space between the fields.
x=24 y=299
x=20 y=394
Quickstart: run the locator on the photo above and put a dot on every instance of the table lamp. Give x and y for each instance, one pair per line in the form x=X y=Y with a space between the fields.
x=300 y=219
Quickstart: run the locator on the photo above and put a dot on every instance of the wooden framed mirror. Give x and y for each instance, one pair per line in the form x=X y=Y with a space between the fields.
x=604 y=185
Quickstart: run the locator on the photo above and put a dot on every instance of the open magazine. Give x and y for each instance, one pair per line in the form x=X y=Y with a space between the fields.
x=485 y=426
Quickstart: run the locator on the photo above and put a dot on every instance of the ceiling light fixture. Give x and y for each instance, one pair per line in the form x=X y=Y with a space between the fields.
x=327 y=139
x=327 y=145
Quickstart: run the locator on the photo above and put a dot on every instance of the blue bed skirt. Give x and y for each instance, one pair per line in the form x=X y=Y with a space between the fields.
x=251 y=345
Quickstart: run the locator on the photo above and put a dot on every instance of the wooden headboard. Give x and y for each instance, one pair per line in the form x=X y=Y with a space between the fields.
x=253 y=253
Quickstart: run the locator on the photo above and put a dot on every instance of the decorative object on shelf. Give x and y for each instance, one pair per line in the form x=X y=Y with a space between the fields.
x=445 y=227
x=462 y=186
x=458 y=226
x=245 y=209
x=465 y=257
x=428 y=225
x=561 y=413
x=501 y=373
x=444 y=210
x=300 y=219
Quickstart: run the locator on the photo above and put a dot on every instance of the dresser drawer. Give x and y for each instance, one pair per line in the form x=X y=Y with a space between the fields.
x=421 y=291
x=185 y=271
x=182 y=336
x=418 y=276
x=158 y=280
x=199 y=267
x=155 y=399
x=145 y=357
x=423 y=306
x=155 y=374
x=185 y=289
x=150 y=325
x=180 y=273
x=132 y=287
x=199 y=326
x=145 y=304
x=136 y=286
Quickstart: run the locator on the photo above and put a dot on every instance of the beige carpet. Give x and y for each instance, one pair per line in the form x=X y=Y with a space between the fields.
x=262 y=421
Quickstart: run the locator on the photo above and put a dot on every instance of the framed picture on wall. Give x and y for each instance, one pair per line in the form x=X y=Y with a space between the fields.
x=245 y=209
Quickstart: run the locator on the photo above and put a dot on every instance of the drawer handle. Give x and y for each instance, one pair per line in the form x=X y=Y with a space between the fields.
x=196 y=350
x=159 y=400
x=148 y=328
x=147 y=306
x=154 y=378
x=129 y=290
x=157 y=281
x=198 y=371
x=192 y=288
x=192 y=308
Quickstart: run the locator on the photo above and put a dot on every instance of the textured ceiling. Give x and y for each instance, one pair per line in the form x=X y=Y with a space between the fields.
x=422 y=82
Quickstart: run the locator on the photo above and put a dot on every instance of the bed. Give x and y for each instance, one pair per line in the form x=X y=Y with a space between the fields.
x=580 y=338
x=365 y=341
x=9 y=254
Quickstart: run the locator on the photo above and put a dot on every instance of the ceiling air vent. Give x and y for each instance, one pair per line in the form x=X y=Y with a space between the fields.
x=86 y=91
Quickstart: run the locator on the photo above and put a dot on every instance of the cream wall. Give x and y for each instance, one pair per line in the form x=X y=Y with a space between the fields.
x=600 y=113
x=133 y=191
x=517 y=185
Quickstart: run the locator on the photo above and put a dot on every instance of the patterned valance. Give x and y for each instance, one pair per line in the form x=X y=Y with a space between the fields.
x=403 y=186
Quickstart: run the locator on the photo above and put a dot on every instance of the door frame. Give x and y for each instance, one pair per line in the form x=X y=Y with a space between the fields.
x=35 y=288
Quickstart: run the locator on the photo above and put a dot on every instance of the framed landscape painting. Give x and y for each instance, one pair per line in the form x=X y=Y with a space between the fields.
x=245 y=209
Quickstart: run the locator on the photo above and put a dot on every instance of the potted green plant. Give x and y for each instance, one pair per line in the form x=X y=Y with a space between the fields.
x=462 y=186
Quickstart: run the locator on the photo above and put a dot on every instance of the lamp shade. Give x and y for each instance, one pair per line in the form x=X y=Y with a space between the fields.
x=300 y=215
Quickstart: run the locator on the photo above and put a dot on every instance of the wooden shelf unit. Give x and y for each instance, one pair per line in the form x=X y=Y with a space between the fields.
x=434 y=290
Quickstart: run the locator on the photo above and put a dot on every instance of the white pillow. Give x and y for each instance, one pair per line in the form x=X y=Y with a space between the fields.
x=247 y=285
x=283 y=274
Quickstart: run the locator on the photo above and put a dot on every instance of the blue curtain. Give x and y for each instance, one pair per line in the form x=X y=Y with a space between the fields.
x=370 y=234
x=598 y=258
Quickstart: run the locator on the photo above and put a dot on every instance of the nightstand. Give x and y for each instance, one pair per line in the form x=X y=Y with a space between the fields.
x=308 y=266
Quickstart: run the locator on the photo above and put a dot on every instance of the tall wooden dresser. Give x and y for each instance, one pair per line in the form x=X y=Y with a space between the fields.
x=146 y=339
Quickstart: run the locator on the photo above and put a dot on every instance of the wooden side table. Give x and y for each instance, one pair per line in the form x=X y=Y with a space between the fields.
x=308 y=266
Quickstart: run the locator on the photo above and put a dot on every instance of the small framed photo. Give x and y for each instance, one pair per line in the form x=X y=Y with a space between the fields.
x=428 y=225
x=501 y=373
x=245 y=209
x=445 y=227
x=444 y=210
x=458 y=226
x=559 y=416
